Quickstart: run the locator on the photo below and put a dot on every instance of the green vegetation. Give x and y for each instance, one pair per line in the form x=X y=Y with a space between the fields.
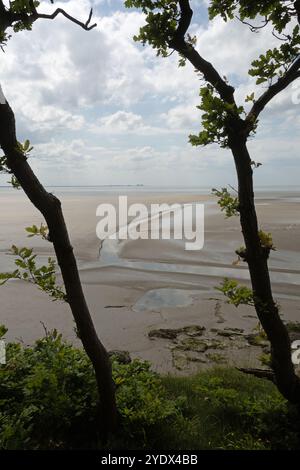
x=27 y=270
x=293 y=327
x=227 y=203
x=236 y=294
x=52 y=382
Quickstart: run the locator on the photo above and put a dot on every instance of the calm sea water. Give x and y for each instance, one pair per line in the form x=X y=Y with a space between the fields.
x=260 y=191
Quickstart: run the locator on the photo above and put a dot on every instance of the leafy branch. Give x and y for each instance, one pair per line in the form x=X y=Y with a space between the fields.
x=236 y=294
x=23 y=149
x=41 y=231
x=27 y=270
x=228 y=203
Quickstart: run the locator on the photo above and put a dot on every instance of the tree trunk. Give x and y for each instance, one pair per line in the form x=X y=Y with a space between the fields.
x=50 y=207
x=267 y=310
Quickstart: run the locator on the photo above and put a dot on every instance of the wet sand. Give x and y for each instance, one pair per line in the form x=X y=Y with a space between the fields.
x=143 y=285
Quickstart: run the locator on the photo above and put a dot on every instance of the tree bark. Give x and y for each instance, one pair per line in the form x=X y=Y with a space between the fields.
x=50 y=207
x=267 y=310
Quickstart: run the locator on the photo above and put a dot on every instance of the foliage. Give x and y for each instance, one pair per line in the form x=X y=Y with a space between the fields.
x=216 y=118
x=162 y=19
x=140 y=398
x=52 y=382
x=22 y=9
x=24 y=149
x=277 y=13
x=236 y=294
x=23 y=6
x=266 y=240
x=27 y=270
x=227 y=203
x=41 y=231
x=276 y=61
x=3 y=331
x=14 y=182
x=161 y=22
x=266 y=359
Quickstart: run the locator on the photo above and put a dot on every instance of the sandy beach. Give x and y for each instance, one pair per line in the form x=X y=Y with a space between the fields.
x=137 y=287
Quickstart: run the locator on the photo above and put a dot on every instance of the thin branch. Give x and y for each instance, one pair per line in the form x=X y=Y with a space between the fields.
x=253 y=29
x=283 y=39
x=53 y=15
x=179 y=43
x=289 y=77
x=8 y=17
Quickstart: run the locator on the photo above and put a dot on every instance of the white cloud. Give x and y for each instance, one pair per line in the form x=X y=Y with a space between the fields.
x=96 y=103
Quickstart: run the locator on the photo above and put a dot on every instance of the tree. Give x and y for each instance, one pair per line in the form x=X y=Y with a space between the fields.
x=20 y=15
x=226 y=123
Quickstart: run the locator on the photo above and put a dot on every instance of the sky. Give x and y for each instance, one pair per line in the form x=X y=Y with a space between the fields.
x=100 y=109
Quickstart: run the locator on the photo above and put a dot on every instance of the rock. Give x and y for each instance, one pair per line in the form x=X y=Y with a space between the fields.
x=122 y=357
x=182 y=358
x=180 y=361
x=217 y=358
x=192 y=344
x=192 y=356
x=236 y=330
x=257 y=340
x=193 y=330
x=168 y=333
x=164 y=333
x=226 y=334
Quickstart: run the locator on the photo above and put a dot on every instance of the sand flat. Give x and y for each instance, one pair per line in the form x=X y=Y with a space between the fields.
x=116 y=285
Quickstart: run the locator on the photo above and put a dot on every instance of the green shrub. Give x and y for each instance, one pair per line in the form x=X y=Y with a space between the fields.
x=48 y=398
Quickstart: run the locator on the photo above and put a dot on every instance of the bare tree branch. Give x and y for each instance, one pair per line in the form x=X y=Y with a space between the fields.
x=8 y=17
x=253 y=28
x=53 y=15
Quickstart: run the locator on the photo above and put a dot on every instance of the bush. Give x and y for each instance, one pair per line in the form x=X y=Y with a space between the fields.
x=48 y=398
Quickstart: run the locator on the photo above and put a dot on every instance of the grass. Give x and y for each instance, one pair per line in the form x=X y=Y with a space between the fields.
x=226 y=409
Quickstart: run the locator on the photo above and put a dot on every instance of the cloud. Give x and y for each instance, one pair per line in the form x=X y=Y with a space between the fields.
x=121 y=121
x=100 y=108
